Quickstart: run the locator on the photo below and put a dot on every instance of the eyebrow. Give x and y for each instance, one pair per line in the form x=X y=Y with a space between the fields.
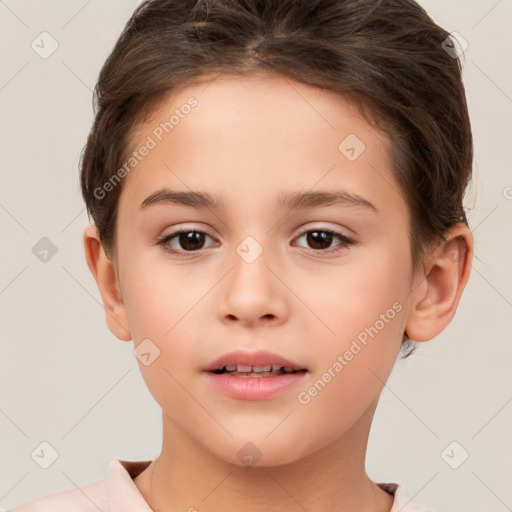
x=290 y=200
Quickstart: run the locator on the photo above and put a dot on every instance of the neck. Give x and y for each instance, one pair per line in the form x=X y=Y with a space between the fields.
x=187 y=477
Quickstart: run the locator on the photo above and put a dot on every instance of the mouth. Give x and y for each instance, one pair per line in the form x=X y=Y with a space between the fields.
x=254 y=375
x=261 y=363
x=255 y=371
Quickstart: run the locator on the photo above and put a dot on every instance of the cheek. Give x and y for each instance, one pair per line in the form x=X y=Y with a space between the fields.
x=166 y=318
x=353 y=365
x=158 y=295
x=362 y=308
x=354 y=295
x=164 y=302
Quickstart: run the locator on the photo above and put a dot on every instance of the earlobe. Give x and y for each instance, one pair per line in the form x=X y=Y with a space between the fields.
x=436 y=297
x=104 y=273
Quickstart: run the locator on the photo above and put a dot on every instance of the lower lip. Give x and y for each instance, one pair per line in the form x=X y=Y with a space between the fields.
x=254 y=388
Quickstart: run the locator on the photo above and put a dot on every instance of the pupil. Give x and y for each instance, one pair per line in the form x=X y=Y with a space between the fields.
x=315 y=237
x=189 y=240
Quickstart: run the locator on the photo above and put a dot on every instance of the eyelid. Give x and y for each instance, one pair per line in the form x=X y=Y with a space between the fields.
x=180 y=228
x=345 y=240
x=344 y=232
x=302 y=231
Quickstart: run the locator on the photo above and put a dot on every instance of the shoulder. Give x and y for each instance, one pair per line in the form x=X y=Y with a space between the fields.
x=402 y=502
x=116 y=492
x=88 y=498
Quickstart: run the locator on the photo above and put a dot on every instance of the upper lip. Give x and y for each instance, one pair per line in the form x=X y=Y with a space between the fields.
x=257 y=358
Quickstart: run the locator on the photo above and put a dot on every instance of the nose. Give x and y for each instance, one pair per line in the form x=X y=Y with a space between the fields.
x=253 y=293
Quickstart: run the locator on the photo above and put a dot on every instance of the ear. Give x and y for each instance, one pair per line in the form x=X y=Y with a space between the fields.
x=436 y=297
x=106 y=278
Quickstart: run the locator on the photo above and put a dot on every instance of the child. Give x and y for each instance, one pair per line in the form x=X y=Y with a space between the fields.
x=265 y=129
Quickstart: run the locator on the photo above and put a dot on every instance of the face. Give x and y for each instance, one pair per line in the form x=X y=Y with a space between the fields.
x=321 y=282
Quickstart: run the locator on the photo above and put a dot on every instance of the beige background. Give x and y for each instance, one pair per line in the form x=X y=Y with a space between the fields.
x=65 y=379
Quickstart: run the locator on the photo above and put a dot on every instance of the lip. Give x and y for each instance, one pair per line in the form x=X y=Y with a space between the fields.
x=253 y=388
x=257 y=358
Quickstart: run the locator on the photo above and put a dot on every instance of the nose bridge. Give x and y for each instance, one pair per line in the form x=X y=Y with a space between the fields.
x=252 y=291
x=251 y=276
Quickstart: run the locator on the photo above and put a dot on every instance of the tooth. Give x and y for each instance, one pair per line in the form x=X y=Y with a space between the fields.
x=275 y=367
x=230 y=368
x=262 y=368
x=288 y=369
x=241 y=368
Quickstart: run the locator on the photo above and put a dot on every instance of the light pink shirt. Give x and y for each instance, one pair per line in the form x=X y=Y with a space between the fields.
x=118 y=493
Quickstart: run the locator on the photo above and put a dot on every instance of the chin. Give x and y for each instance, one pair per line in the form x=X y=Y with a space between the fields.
x=260 y=452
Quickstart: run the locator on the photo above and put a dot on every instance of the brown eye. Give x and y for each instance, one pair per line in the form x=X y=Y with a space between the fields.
x=191 y=240
x=185 y=241
x=321 y=240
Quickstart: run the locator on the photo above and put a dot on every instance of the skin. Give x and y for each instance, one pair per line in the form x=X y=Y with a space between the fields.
x=250 y=139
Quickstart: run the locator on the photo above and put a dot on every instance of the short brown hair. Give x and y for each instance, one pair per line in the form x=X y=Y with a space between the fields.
x=386 y=56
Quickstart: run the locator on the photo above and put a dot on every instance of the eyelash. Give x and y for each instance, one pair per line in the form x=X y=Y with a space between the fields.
x=345 y=241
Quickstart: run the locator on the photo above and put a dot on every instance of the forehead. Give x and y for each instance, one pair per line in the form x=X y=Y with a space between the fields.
x=264 y=100
x=257 y=136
